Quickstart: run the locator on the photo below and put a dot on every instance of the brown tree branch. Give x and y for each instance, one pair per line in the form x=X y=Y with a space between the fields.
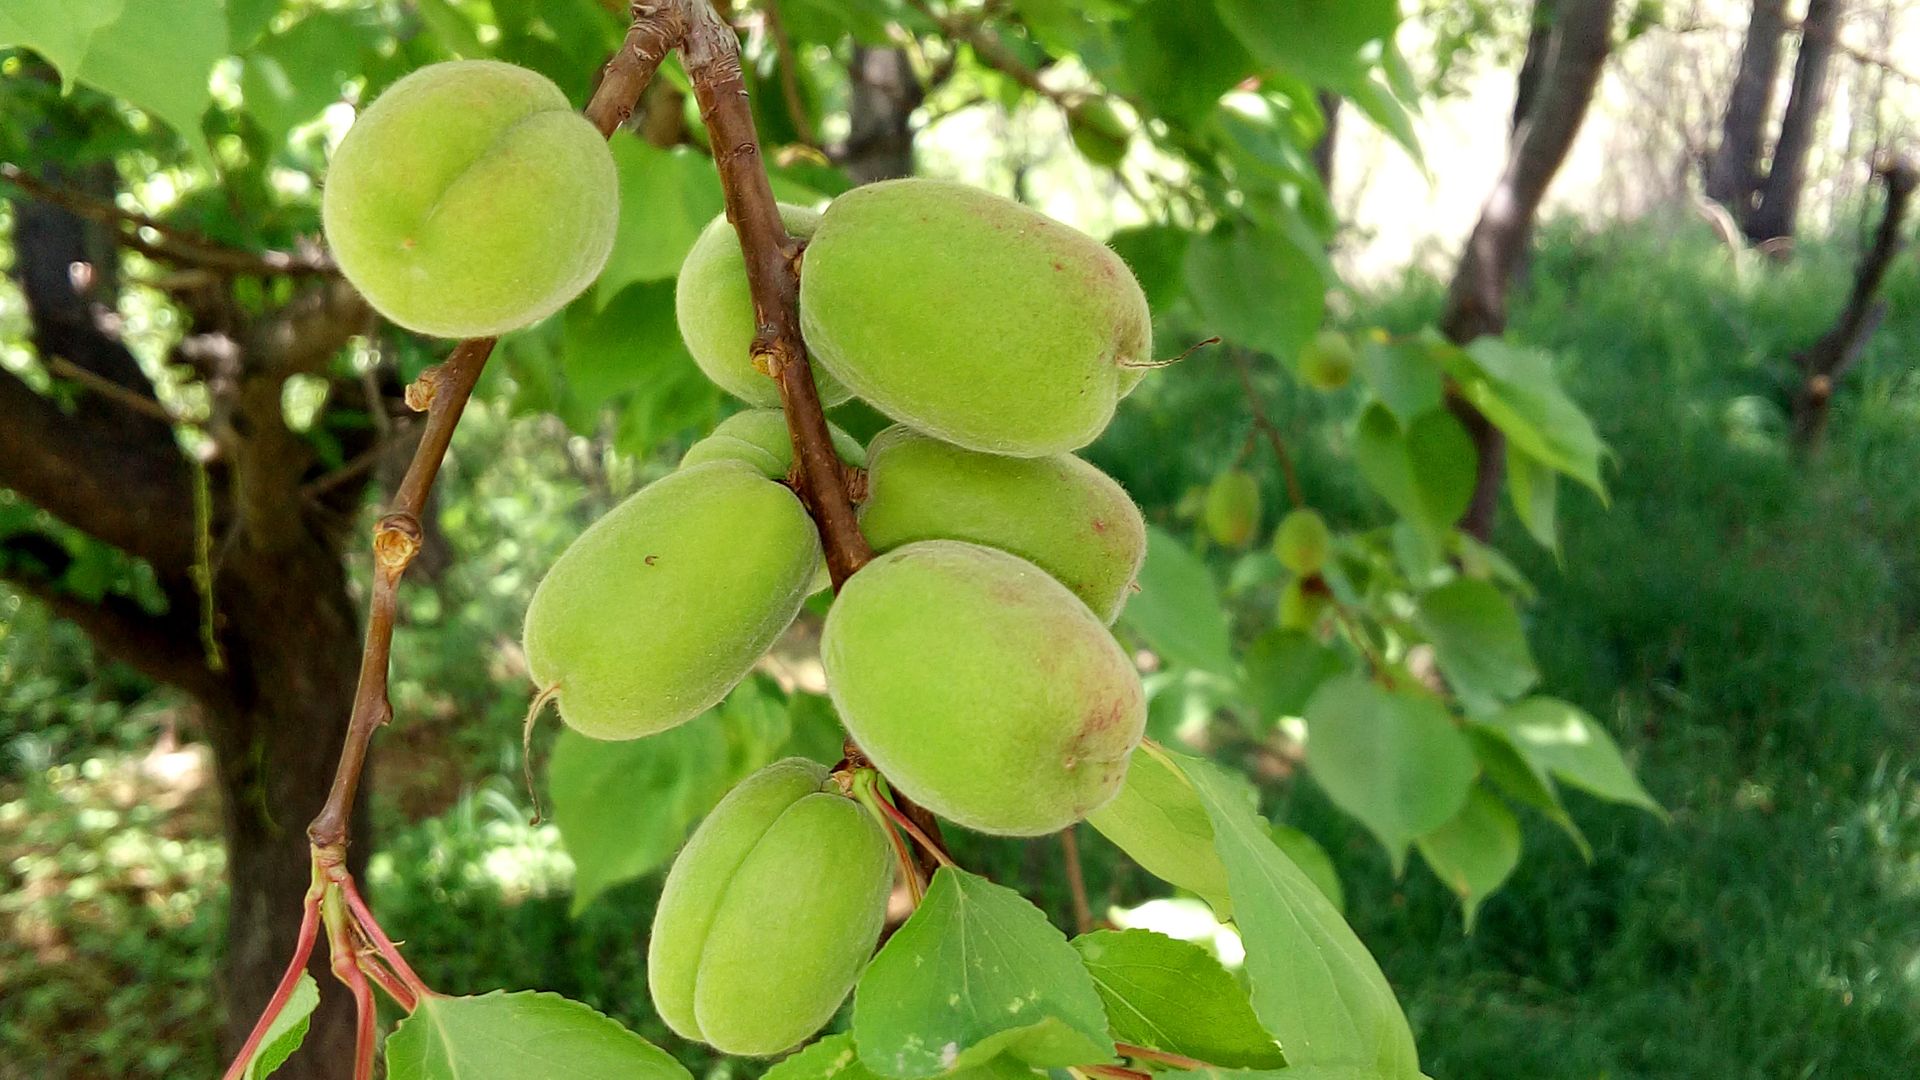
x=1265 y=425
x=172 y=243
x=789 y=66
x=442 y=393
x=711 y=53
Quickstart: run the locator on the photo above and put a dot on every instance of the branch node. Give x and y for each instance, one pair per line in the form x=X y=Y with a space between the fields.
x=396 y=540
x=421 y=391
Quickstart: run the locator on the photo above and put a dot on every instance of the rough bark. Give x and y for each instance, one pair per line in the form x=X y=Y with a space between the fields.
x=882 y=93
x=1733 y=173
x=1477 y=299
x=1778 y=209
x=109 y=466
x=1822 y=365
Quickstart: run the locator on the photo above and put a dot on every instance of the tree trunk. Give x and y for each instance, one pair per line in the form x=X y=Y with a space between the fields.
x=1779 y=205
x=1477 y=299
x=1325 y=151
x=1733 y=173
x=882 y=93
x=276 y=710
x=1534 y=64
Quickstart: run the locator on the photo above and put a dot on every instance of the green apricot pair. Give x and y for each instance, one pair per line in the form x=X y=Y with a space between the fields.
x=470 y=199
x=663 y=605
x=981 y=687
x=769 y=913
x=1057 y=512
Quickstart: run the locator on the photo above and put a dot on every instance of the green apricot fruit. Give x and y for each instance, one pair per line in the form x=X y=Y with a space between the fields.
x=769 y=913
x=971 y=317
x=1232 y=513
x=1301 y=607
x=1328 y=361
x=759 y=438
x=1098 y=132
x=663 y=605
x=470 y=199
x=714 y=306
x=981 y=687
x=1057 y=512
x=1303 y=542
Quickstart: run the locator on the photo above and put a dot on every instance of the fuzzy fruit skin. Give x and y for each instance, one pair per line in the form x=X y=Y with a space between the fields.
x=1328 y=361
x=1098 y=132
x=982 y=688
x=1232 y=512
x=470 y=199
x=1303 y=541
x=769 y=913
x=972 y=318
x=714 y=306
x=1057 y=512
x=663 y=605
x=759 y=438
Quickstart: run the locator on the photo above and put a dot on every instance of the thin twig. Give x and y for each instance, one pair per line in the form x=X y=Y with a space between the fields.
x=789 y=73
x=1265 y=425
x=711 y=54
x=1076 y=881
x=175 y=244
x=63 y=368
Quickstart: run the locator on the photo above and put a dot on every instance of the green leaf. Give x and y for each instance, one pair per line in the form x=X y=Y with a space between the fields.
x=1315 y=986
x=1284 y=668
x=1565 y=741
x=1394 y=760
x=289 y=77
x=159 y=55
x=1296 y=1072
x=1173 y=996
x=1313 y=861
x=287 y=1031
x=1523 y=782
x=977 y=971
x=1403 y=376
x=623 y=808
x=1319 y=40
x=628 y=345
x=1177 y=610
x=1388 y=111
x=1535 y=490
x=835 y=1058
x=1478 y=641
x=1178 y=58
x=1425 y=471
x=1157 y=255
x=502 y=1036
x=1256 y=286
x=1476 y=851
x=666 y=198
x=1158 y=820
x=61 y=31
x=1518 y=391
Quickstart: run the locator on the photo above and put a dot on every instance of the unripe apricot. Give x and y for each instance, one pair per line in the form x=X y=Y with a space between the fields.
x=714 y=306
x=470 y=199
x=663 y=605
x=1328 y=361
x=1301 y=607
x=971 y=317
x=1303 y=541
x=769 y=913
x=981 y=687
x=1057 y=512
x=1233 y=508
x=759 y=438
x=1098 y=132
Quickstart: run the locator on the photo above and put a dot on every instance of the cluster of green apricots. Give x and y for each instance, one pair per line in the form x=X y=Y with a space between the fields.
x=971 y=660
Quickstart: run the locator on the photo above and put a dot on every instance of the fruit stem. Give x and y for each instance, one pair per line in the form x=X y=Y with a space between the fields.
x=710 y=52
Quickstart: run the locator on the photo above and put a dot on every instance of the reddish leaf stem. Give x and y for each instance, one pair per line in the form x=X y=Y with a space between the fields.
x=906 y=824
x=368 y=925
x=1143 y=1053
x=283 y=993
